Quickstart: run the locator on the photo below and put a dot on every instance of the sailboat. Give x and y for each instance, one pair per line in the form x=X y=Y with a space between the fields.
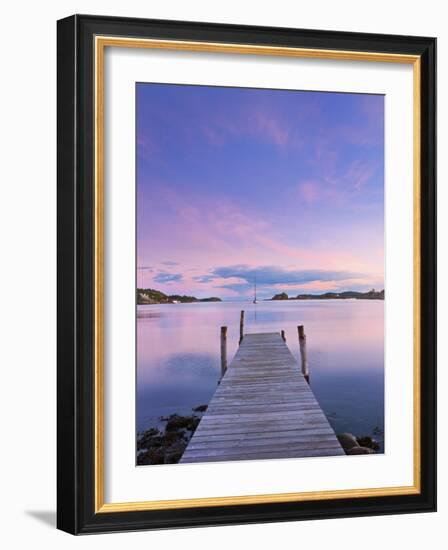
x=255 y=291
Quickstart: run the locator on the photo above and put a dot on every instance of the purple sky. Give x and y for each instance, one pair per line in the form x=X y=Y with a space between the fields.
x=233 y=184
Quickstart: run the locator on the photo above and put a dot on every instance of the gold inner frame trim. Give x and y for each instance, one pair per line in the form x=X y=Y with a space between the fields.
x=101 y=42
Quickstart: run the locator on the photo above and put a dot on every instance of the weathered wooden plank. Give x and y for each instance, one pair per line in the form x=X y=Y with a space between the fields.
x=207 y=434
x=239 y=407
x=262 y=408
x=268 y=415
x=213 y=431
x=306 y=442
x=241 y=446
x=287 y=435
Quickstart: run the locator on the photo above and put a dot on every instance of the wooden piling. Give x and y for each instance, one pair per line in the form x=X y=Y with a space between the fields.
x=241 y=326
x=223 y=350
x=303 y=355
x=283 y=336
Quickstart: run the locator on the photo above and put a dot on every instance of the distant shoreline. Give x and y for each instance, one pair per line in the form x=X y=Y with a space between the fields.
x=346 y=295
x=149 y=296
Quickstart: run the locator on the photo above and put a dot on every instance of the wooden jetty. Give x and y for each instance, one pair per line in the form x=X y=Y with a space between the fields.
x=262 y=408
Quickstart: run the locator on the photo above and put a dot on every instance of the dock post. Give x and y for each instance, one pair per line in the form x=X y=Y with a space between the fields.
x=283 y=336
x=223 y=350
x=302 y=345
x=241 y=326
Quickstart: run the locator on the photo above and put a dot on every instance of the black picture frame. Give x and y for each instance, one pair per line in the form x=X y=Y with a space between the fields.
x=76 y=271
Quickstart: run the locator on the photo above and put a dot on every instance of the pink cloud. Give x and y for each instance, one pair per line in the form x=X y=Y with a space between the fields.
x=147 y=145
x=255 y=121
x=338 y=187
x=271 y=128
x=213 y=135
x=309 y=191
x=359 y=174
x=207 y=230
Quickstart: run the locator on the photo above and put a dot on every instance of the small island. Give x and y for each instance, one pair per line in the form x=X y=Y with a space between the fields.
x=149 y=296
x=349 y=294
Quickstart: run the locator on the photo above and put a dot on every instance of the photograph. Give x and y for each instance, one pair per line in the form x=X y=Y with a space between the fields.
x=260 y=278
x=246 y=325
x=228 y=216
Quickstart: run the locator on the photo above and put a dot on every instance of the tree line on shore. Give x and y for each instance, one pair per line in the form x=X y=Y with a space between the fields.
x=152 y=296
x=349 y=294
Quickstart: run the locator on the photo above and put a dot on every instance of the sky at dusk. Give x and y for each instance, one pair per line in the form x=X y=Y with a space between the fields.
x=235 y=184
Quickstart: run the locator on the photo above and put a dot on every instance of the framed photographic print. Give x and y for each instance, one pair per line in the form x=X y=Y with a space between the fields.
x=246 y=274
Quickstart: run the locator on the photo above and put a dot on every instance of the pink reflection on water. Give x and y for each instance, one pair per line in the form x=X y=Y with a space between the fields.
x=354 y=328
x=178 y=362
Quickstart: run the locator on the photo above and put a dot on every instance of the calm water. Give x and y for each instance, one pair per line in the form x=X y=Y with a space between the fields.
x=178 y=361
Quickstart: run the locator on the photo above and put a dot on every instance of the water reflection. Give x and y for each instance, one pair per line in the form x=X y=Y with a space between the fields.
x=178 y=363
x=145 y=314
